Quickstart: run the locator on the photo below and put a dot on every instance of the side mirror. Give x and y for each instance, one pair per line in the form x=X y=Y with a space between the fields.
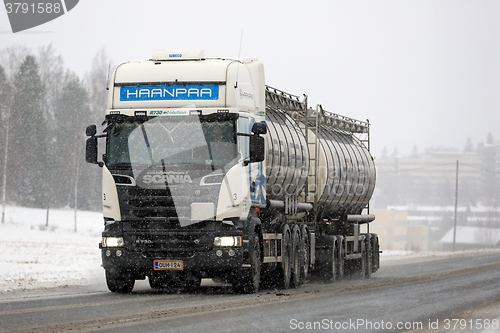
x=91 y=150
x=256 y=148
x=259 y=128
x=91 y=130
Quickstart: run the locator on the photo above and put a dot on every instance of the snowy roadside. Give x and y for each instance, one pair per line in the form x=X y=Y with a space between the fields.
x=36 y=256
x=391 y=258
x=399 y=254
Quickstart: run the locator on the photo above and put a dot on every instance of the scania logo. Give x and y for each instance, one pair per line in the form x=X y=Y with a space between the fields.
x=162 y=179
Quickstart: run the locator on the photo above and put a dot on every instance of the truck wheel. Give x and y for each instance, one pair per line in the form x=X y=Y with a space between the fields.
x=340 y=258
x=249 y=282
x=295 y=267
x=368 y=259
x=304 y=255
x=361 y=269
x=284 y=268
x=119 y=283
x=375 y=253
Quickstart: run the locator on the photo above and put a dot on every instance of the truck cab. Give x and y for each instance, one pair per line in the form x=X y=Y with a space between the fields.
x=181 y=167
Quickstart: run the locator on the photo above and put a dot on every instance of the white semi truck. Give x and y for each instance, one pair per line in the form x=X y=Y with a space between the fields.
x=209 y=173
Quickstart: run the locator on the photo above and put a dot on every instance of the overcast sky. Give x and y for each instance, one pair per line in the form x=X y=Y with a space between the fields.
x=425 y=73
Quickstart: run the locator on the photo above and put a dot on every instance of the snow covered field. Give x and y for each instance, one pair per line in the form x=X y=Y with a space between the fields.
x=33 y=255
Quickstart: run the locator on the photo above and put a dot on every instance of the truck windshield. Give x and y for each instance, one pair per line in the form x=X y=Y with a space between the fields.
x=189 y=140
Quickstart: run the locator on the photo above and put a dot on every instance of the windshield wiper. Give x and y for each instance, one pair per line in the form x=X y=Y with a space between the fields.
x=147 y=143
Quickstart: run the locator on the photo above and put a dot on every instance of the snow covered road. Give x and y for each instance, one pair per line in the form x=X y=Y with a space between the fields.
x=419 y=292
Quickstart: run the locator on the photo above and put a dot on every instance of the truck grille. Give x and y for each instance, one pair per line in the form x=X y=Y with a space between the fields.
x=150 y=222
x=152 y=204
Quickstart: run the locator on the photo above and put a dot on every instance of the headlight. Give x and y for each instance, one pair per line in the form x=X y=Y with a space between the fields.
x=227 y=241
x=112 y=241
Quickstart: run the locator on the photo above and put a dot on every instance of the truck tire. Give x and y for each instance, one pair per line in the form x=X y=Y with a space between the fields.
x=361 y=268
x=304 y=254
x=295 y=267
x=249 y=281
x=284 y=268
x=119 y=283
x=340 y=258
x=368 y=260
x=375 y=253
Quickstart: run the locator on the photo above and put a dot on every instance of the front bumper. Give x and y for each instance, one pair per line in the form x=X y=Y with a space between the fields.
x=205 y=264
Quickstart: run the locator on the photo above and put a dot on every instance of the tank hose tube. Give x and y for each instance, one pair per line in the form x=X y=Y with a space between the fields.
x=278 y=204
x=361 y=218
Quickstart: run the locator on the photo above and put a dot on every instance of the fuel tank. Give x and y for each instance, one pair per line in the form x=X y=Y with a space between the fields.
x=339 y=171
